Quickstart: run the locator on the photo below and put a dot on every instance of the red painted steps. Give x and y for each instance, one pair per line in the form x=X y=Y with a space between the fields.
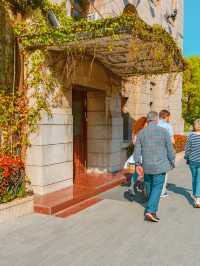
x=78 y=207
x=88 y=187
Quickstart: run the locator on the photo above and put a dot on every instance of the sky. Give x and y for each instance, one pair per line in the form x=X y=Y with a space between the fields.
x=191 y=27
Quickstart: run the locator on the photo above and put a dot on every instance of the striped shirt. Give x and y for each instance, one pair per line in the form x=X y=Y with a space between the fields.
x=192 y=148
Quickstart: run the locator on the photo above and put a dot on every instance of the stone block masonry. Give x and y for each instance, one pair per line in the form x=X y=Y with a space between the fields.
x=104 y=134
x=50 y=158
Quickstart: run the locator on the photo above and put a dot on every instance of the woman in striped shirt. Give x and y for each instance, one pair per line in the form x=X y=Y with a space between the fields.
x=192 y=156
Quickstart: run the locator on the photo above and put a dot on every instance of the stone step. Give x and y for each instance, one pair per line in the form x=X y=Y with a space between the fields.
x=77 y=207
x=60 y=200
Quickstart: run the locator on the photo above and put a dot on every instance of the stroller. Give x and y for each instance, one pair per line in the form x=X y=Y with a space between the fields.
x=138 y=189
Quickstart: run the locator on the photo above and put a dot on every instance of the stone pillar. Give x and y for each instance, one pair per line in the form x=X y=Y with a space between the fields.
x=138 y=103
x=116 y=137
x=96 y=131
x=167 y=94
x=49 y=162
x=104 y=133
x=175 y=106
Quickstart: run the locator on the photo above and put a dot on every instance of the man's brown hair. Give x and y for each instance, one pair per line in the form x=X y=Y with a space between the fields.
x=164 y=114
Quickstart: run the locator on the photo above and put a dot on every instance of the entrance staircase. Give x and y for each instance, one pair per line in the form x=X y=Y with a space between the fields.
x=83 y=194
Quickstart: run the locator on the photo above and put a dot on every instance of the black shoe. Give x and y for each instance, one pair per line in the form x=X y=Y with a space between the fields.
x=152 y=214
x=151 y=217
x=129 y=195
x=156 y=216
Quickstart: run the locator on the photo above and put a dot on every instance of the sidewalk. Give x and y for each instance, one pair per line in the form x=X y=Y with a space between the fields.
x=110 y=233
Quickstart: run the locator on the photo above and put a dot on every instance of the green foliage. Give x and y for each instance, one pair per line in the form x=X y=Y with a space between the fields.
x=13 y=114
x=11 y=195
x=7 y=44
x=19 y=114
x=44 y=88
x=191 y=91
x=36 y=33
x=23 y=5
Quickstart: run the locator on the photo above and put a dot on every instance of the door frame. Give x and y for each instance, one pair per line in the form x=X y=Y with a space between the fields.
x=83 y=91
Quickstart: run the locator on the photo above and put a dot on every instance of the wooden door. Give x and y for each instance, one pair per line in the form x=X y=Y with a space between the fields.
x=79 y=109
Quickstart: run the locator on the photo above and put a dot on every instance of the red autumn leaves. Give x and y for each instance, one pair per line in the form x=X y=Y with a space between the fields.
x=180 y=141
x=10 y=165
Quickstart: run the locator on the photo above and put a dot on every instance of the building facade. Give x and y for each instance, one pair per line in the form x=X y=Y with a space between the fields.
x=88 y=131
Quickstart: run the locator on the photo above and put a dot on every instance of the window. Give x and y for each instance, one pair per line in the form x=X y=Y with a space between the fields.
x=127 y=122
x=127 y=127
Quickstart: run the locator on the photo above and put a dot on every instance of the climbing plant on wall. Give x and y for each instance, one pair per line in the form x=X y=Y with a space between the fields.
x=30 y=88
x=34 y=35
x=19 y=111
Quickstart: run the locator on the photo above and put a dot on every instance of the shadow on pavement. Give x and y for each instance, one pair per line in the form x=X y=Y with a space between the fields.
x=138 y=198
x=181 y=191
x=120 y=194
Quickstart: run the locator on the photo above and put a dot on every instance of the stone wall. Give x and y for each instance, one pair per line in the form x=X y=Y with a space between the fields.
x=104 y=134
x=49 y=162
x=167 y=94
x=148 y=11
x=141 y=96
x=138 y=103
x=156 y=93
x=50 y=159
x=140 y=99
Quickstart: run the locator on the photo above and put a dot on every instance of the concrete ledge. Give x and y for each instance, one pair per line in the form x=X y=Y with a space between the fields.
x=16 y=208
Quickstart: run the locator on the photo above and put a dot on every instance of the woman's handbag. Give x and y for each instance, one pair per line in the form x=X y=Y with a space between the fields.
x=129 y=161
x=130 y=165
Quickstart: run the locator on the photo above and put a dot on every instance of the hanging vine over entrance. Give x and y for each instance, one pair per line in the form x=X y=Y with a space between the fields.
x=146 y=49
x=35 y=36
x=125 y=45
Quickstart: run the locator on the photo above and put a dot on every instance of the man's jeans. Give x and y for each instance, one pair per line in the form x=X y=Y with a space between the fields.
x=154 y=186
x=195 y=170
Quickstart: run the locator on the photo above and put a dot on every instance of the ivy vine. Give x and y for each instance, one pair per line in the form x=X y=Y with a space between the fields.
x=20 y=110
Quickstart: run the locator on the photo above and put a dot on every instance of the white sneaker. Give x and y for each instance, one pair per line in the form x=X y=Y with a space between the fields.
x=197 y=202
x=164 y=195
